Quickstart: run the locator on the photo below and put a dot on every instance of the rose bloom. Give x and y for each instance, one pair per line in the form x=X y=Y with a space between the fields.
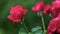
x=54 y=9
x=39 y=6
x=17 y=13
x=54 y=26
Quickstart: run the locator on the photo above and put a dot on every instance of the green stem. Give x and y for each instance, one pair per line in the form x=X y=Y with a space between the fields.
x=25 y=26
x=42 y=18
x=43 y=24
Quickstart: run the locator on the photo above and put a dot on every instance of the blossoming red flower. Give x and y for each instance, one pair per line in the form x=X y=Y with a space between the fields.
x=17 y=13
x=54 y=9
x=54 y=26
x=38 y=7
x=47 y=9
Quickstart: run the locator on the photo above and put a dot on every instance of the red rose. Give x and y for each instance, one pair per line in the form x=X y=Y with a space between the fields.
x=39 y=6
x=47 y=9
x=54 y=26
x=54 y=9
x=17 y=13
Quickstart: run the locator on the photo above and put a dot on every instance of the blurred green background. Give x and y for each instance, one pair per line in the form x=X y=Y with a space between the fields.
x=30 y=19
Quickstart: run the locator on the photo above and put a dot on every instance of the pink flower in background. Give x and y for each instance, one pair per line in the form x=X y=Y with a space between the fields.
x=47 y=9
x=54 y=9
x=17 y=13
x=54 y=26
x=39 y=6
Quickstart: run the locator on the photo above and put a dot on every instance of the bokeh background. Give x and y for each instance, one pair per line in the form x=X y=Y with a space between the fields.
x=30 y=19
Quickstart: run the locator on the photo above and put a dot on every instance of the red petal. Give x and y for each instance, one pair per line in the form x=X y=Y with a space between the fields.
x=19 y=7
x=58 y=30
x=10 y=17
x=25 y=11
x=17 y=20
x=47 y=9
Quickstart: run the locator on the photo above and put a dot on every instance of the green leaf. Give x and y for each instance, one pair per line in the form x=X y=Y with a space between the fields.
x=37 y=30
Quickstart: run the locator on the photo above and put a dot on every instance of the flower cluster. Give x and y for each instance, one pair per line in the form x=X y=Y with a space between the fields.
x=54 y=26
x=17 y=13
x=54 y=9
